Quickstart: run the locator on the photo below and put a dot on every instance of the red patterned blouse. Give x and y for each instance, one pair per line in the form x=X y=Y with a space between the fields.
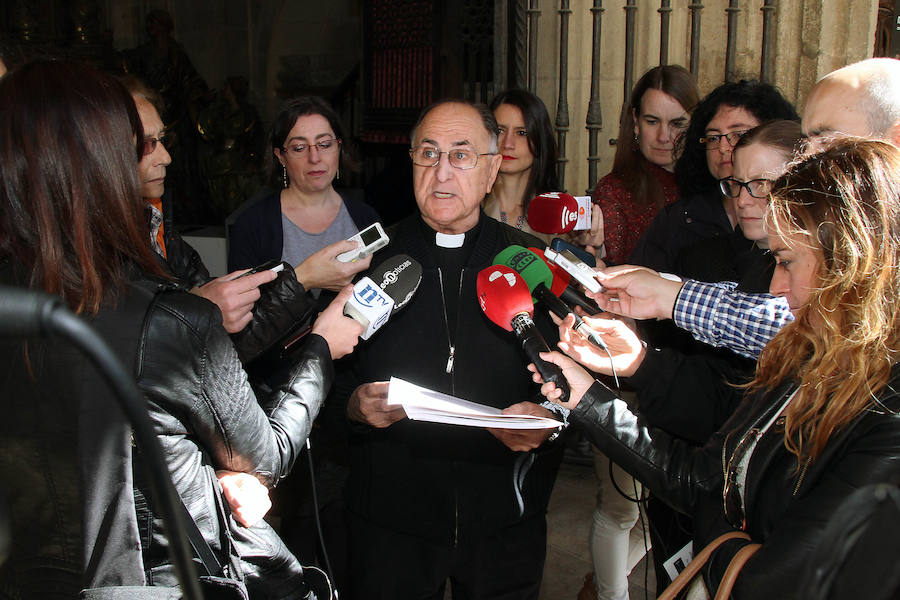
x=623 y=221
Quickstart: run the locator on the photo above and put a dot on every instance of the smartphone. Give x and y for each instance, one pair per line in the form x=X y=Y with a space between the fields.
x=369 y=239
x=270 y=265
x=586 y=257
x=575 y=267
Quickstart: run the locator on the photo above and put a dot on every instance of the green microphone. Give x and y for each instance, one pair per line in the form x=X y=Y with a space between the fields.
x=539 y=278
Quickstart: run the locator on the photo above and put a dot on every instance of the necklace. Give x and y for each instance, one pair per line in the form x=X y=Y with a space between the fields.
x=520 y=220
x=736 y=467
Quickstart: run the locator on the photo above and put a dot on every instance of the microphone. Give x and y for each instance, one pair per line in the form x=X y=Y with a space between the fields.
x=370 y=305
x=505 y=300
x=537 y=275
x=388 y=288
x=561 y=278
x=553 y=212
x=562 y=286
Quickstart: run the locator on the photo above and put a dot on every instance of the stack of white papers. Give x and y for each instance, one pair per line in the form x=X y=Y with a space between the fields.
x=422 y=404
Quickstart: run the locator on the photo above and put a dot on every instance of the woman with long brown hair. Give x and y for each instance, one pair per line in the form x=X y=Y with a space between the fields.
x=526 y=143
x=820 y=418
x=641 y=181
x=73 y=224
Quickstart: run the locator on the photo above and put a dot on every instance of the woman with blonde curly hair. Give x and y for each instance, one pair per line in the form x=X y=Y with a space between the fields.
x=820 y=419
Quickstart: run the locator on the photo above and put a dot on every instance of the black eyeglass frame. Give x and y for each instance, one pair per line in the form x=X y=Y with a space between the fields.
x=712 y=141
x=725 y=188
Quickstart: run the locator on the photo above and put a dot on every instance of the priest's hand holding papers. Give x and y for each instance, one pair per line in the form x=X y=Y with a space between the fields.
x=422 y=404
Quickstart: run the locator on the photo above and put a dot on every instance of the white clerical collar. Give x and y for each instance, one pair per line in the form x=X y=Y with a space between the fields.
x=449 y=240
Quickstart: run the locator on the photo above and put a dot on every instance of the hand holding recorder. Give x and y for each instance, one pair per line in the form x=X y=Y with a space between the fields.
x=623 y=352
x=637 y=292
x=323 y=270
x=236 y=293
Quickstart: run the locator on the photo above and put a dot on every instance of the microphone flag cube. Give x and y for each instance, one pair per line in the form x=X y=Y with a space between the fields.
x=369 y=305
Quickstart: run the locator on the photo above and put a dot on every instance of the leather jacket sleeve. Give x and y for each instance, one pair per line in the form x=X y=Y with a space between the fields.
x=199 y=393
x=690 y=396
x=284 y=307
x=673 y=469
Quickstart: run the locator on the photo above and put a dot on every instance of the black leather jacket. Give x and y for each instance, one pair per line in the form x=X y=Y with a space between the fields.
x=207 y=417
x=283 y=307
x=65 y=460
x=788 y=505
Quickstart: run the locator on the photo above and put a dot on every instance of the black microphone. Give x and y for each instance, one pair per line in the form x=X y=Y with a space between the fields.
x=388 y=288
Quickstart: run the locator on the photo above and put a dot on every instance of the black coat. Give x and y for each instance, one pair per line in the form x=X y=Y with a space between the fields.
x=207 y=417
x=678 y=226
x=73 y=501
x=685 y=386
x=443 y=482
x=788 y=505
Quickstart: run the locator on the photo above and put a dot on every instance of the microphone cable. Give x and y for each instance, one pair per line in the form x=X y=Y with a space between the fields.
x=318 y=520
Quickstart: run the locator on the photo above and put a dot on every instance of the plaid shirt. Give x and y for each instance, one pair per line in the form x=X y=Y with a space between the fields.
x=720 y=316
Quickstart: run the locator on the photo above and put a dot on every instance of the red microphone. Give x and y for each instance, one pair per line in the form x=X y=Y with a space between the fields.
x=506 y=301
x=553 y=212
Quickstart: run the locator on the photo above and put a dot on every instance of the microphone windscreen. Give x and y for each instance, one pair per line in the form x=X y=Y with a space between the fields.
x=528 y=265
x=399 y=276
x=561 y=278
x=502 y=295
x=553 y=212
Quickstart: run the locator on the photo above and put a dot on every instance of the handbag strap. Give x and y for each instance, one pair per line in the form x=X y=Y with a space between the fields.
x=734 y=568
x=693 y=568
x=207 y=557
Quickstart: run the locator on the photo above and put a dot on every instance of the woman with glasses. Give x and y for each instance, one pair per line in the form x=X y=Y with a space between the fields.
x=741 y=256
x=701 y=212
x=640 y=184
x=820 y=418
x=525 y=140
x=642 y=181
x=306 y=222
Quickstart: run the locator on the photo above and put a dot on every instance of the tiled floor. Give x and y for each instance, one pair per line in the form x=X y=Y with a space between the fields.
x=568 y=524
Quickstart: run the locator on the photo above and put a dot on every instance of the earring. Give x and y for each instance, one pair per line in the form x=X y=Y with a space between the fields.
x=284 y=177
x=338 y=176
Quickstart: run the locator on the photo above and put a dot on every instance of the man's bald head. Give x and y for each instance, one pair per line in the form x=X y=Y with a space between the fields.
x=860 y=99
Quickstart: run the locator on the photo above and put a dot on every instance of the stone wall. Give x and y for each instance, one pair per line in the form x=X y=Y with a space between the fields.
x=258 y=38
x=812 y=37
